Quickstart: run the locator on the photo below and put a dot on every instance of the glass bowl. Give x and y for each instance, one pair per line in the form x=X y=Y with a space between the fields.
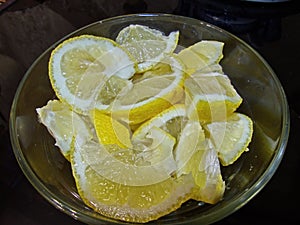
x=264 y=101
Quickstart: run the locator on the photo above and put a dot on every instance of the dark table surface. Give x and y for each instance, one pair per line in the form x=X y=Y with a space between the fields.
x=29 y=27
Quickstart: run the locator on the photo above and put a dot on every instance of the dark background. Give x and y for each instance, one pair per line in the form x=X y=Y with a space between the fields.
x=29 y=27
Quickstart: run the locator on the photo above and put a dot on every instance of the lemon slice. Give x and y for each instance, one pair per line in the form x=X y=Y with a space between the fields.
x=188 y=134
x=211 y=97
x=205 y=168
x=132 y=203
x=119 y=156
x=156 y=162
x=150 y=95
x=231 y=137
x=190 y=140
x=148 y=46
x=171 y=120
x=113 y=87
x=79 y=68
x=64 y=125
x=203 y=55
x=111 y=131
x=137 y=161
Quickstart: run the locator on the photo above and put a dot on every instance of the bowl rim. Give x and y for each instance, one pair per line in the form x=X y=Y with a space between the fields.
x=235 y=203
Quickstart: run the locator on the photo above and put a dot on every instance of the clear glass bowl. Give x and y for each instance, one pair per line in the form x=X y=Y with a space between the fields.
x=264 y=101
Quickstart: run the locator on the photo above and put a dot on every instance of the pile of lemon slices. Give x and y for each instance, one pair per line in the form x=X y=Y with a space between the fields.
x=145 y=129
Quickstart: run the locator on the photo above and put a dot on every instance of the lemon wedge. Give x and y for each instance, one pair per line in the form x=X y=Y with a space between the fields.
x=65 y=125
x=148 y=46
x=211 y=97
x=150 y=94
x=203 y=55
x=112 y=182
x=205 y=168
x=231 y=137
x=190 y=140
x=171 y=120
x=111 y=131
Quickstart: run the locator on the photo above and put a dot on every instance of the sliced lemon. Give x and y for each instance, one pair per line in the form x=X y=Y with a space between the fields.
x=64 y=125
x=104 y=183
x=161 y=68
x=189 y=153
x=209 y=49
x=211 y=97
x=150 y=95
x=205 y=168
x=201 y=56
x=231 y=137
x=148 y=46
x=156 y=161
x=106 y=88
x=111 y=131
x=193 y=156
x=171 y=120
x=213 y=68
x=80 y=67
x=113 y=87
x=157 y=151
x=188 y=134
x=190 y=140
